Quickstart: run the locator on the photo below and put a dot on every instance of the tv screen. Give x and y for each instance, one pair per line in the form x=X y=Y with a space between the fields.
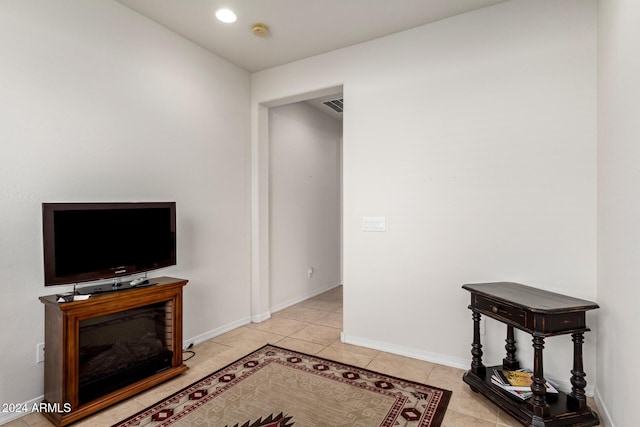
x=91 y=241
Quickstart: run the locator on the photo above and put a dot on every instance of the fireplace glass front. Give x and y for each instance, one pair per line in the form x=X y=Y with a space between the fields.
x=122 y=348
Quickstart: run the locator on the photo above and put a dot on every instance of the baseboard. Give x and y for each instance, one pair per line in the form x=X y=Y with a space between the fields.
x=258 y=318
x=303 y=297
x=255 y=318
x=565 y=386
x=214 y=332
x=441 y=359
x=24 y=409
x=605 y=416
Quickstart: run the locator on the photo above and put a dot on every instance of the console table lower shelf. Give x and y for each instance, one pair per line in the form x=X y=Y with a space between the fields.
x=558 y=416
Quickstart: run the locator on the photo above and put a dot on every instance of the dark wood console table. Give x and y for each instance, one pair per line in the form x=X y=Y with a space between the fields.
x=63 y=324
x=541 y=314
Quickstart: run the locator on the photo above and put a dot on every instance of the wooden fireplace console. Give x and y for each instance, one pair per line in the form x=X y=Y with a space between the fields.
x=541 y=314
x=62 y=344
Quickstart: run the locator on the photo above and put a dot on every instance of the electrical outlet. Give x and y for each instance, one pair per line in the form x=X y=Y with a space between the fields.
x=483 y=326
x=40 y=352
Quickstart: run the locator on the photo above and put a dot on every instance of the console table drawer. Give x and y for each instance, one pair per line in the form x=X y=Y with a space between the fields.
x=501 y=311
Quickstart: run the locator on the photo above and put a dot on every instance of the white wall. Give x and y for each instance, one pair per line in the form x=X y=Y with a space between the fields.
x=305 y=211
x=475 y=137
x=618 y=209
x=99 y=104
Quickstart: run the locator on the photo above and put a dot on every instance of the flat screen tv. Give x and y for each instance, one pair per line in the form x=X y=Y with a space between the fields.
x=84 y=242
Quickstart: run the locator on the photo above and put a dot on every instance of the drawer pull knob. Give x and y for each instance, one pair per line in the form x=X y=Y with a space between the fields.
x=494 y=309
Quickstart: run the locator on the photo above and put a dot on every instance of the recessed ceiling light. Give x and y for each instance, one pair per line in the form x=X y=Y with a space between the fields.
x=226 y=15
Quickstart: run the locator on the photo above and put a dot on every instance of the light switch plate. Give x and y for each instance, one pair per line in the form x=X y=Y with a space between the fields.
x=373 y=223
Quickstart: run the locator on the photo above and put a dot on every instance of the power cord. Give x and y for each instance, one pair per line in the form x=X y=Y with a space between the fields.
x=187 y=351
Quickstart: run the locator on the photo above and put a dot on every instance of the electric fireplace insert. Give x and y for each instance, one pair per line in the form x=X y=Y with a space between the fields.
x=121 y=348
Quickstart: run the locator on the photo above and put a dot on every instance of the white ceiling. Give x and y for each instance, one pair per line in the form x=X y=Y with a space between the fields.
x=298 y=28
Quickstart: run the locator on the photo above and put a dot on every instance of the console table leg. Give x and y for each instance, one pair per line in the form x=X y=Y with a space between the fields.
x=476 y=348
x=577 y=399
x=510 y=362
x=538 y=402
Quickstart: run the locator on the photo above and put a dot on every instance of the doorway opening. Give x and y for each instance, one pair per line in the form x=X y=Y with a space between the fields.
x=297 y=200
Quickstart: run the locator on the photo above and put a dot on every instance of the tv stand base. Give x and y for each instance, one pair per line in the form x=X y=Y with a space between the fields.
x=63 y=419
x=62 y=381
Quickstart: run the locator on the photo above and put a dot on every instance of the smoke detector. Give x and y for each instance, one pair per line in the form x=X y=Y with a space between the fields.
x=260 y=30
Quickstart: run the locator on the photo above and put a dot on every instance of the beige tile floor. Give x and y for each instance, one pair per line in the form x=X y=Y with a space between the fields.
x=312 y=326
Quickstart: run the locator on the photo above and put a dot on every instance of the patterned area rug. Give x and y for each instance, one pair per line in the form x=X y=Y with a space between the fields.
x=276 y=387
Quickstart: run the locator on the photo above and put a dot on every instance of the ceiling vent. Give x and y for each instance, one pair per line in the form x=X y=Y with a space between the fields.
x=335 y=104
x=332 y=105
